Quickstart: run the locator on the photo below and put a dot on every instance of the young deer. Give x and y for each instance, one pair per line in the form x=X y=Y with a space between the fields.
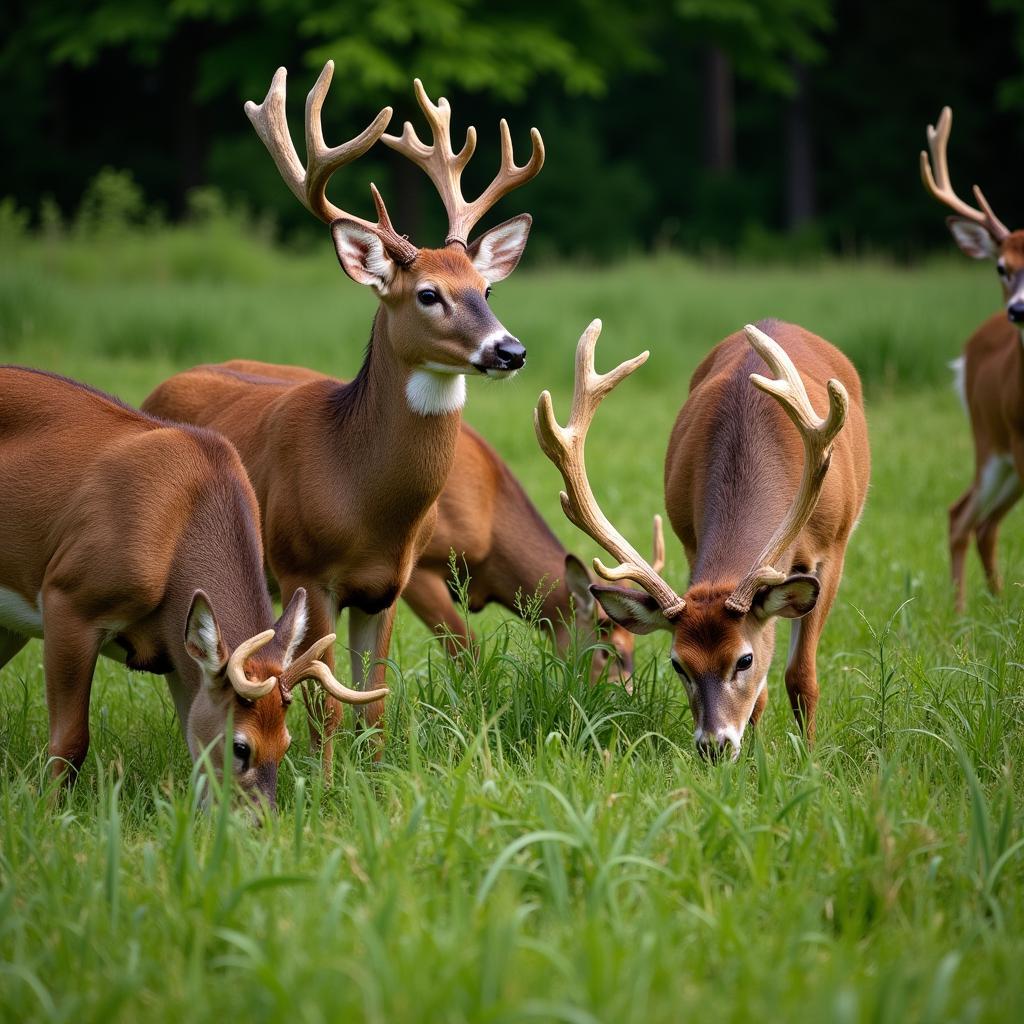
x=138 y=539
x=733 y=459
x=347 y=474
x=507 y=551
x=989 y=375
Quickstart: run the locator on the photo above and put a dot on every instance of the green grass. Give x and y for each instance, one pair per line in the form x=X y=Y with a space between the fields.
x=533 y=848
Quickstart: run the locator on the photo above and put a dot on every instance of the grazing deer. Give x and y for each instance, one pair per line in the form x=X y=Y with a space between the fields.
x=348 y=474
x=508 y=551
x=127 y=536
x=733 y=461
x=989 y=375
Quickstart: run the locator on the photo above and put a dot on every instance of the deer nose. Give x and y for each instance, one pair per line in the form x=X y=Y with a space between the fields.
x=1015 y=311
x=718 y=745
x=510 y=352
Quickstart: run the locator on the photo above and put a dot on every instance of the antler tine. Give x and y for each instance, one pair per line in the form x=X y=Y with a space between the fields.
x=309 y=666
x=935 y=175
x=235 y=670
x=309 y=183
x=658 y=561
x=565 y=447
x=818 y=436
x=444 y=166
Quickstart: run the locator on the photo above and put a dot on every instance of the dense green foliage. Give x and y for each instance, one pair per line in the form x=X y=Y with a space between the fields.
x=621 y=93
x=533 y=848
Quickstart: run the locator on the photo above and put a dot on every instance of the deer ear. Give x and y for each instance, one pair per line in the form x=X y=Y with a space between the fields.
x=290 y=629
x=495 y=254
x=577 y=579
x=972 y=238
x=362 y=255
x=632 y=609
x=791 y=599
x=202 y=635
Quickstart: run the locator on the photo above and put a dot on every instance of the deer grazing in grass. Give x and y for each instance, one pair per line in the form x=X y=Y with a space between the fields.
x=989 y=375
x=348 y=474
x=508 y=551
x=755 y=553
x=138 y=539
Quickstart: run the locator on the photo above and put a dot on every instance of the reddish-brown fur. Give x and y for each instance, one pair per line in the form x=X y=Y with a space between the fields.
x=733 y=465
x=993 y=392
x=347 y=474
x=111 y=521
x=732 y=469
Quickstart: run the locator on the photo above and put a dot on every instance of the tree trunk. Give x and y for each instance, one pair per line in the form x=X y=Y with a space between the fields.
x=800 y=183
x=719 y=113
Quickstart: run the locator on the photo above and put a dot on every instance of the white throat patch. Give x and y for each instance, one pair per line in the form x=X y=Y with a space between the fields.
x=430 y=393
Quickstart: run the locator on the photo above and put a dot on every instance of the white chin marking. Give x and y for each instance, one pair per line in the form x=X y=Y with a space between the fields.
x=500 y=374
x=430 y=393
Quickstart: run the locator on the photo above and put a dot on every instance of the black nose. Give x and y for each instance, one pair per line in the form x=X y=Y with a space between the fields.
x=511 y=353
x=1015 y=311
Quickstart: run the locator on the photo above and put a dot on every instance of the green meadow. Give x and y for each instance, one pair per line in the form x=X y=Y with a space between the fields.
x=532 y=847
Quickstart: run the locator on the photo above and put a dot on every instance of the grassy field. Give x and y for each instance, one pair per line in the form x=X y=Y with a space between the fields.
x=533 y=848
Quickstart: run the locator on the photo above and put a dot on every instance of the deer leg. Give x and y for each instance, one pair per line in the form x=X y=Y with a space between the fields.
x=802 y=664
x=182 y=695
x=369 y=638
x=10 y=644
x=71 y=645
x=961 y=526
x=428 y=596
x=323 y=712
x=986 y=533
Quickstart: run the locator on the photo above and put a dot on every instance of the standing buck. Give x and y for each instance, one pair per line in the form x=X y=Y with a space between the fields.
x=989 y=375
x=347 y=474
x=733 y=462
x=138 y=539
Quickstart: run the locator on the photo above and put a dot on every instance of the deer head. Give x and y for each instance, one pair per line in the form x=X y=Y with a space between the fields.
x=434 y=301
x=722 y=633
x=977 y=230
x=252 y=684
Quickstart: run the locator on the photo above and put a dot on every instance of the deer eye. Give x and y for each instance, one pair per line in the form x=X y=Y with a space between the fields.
x=242 y=752
x=1001 y=268
x=428 y=297
x=744 y=663
x=678 y=667
x=487 y=292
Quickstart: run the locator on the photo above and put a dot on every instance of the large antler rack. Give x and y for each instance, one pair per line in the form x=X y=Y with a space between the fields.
x=565 y=447
x=818 y=436
x=444 y=166
x=309 y=183
x=935 y=176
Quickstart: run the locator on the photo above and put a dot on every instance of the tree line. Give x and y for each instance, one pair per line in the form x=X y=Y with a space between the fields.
x=763 y=126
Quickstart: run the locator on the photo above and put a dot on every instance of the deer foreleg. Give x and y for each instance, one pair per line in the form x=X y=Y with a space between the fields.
x=369 y=639
x=71 y=645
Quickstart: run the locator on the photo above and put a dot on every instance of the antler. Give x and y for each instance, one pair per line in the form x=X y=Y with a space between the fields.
x=818 y=436
x=235 y=672
x=309 y=666
x=939 y=185
x=309 y=184
x=564 y=446
x=444 y=166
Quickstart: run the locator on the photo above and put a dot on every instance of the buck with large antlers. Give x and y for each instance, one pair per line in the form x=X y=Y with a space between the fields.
x=755 y=553
x=127 y=536
x=989 y=375
x=347 y=474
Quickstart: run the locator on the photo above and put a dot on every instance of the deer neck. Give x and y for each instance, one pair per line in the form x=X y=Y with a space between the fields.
x=400 y=425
